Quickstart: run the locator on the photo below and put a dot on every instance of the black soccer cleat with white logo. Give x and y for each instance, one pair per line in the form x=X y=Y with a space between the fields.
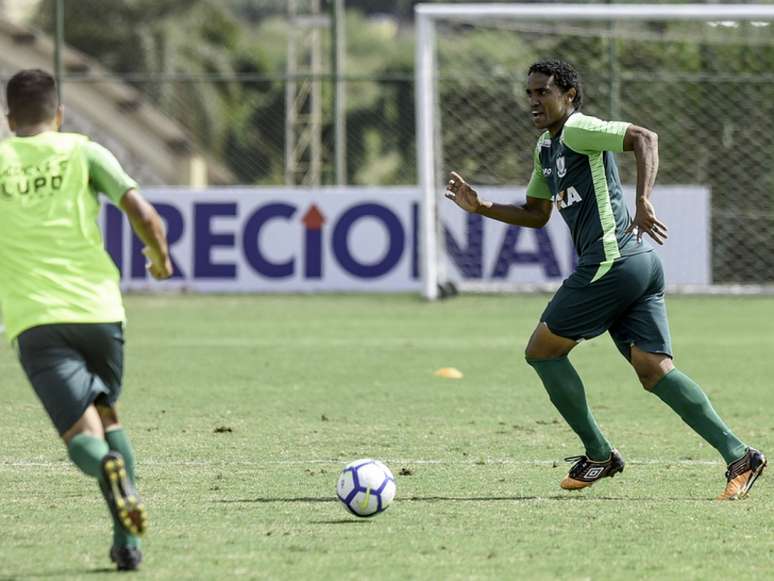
x=586 y=472
x=122 y=498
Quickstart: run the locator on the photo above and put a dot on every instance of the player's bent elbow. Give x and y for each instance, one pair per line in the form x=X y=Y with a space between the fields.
x=639 y=139
x=540 y=220
x=536 y=213
x=140 y=212
x=648 y=139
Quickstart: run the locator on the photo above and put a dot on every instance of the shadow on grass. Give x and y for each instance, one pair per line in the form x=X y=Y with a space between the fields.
x=277 y=499
x=58 y=573
x=562 y=497
x=342 y=521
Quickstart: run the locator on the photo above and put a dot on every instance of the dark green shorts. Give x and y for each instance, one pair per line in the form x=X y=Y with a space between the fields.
x=71 y=365
x=628 y=302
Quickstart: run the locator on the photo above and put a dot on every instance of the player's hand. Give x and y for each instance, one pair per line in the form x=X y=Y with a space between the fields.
x=159 y=267
x=460 y=192
x=645 y=221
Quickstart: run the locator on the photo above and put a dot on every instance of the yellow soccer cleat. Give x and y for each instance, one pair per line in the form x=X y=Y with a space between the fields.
x=122 y=498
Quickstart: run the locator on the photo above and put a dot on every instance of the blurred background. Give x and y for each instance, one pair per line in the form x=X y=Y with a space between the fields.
x=310 y=93
x=239 y=79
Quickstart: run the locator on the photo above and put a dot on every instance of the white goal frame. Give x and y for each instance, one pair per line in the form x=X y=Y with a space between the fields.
x=426 y=103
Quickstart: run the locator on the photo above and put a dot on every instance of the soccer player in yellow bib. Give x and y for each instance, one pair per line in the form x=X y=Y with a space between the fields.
x=59 y=289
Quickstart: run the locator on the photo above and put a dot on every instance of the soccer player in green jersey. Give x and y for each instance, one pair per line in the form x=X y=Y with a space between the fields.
x=59 y=289
x=618 y=285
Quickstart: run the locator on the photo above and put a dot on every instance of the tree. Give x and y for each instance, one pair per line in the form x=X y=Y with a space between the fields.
x=182 y=55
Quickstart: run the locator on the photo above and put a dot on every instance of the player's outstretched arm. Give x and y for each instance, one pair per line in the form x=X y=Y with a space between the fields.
x=533 y=214
x=148 y=226
x=644 y=144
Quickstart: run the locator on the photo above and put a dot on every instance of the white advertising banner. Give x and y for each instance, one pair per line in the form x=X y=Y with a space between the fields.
x=278 y=240
x=367 y=239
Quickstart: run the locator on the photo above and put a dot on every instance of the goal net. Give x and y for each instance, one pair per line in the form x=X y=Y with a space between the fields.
x=701 y=76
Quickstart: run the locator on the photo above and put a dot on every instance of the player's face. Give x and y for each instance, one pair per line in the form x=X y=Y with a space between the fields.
x=548 y=105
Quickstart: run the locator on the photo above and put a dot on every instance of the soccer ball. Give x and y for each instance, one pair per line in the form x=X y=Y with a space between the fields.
x=366 y=487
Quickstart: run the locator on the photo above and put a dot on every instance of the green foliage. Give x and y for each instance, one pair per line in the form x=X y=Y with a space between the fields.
x=380 y=133
x=171 y=50
x=217 y=68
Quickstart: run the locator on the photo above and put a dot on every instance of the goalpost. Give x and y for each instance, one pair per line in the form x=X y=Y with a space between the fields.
x=700 y=75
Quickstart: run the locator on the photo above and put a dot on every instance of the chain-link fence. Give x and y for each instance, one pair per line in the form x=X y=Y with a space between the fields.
x=249 y=85
x=707 y=89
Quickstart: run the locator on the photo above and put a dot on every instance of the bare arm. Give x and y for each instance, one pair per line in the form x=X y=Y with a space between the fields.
x=533 y=214
x=644 y=144
x=148 y=226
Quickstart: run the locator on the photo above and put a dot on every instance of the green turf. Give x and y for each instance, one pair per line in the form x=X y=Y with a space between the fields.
x=243 y=409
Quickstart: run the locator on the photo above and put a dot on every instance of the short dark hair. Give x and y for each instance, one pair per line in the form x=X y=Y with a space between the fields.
x=565 y=77
x=31 y=97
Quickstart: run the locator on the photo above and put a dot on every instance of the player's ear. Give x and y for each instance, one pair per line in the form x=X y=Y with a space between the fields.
x=59 y=117
x=571 y=94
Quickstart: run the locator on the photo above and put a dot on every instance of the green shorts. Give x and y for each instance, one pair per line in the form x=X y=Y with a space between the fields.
x=70 y=365
x=628 y=302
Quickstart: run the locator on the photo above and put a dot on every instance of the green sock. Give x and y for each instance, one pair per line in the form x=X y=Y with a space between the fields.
x=566 y=391
x=687 y=399
x=119 y=441
x=87 y=452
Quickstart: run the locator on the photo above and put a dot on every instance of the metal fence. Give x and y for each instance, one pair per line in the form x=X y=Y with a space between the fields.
x=250 y=86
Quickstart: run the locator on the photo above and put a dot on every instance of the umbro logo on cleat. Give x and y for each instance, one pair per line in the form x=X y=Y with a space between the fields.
x=593 y=472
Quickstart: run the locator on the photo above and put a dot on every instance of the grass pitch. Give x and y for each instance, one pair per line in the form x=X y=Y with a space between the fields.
x=243 y=409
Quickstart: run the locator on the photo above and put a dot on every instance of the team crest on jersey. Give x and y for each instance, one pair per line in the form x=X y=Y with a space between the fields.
x=561 y=170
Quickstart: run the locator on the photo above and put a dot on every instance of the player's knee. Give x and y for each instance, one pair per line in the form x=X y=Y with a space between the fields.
x=538 y=349
x=543 y=344
x=78 y=429
x=650 y=367
x=535 y=352
x=542 y=350
x=647 y=379
x=649 y=374
x=89 y=423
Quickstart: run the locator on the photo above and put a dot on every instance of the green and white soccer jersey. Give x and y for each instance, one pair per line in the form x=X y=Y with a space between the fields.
x=577 y=170
x=53 y=266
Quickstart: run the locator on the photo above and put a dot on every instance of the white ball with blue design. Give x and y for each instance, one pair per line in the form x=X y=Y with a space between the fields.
x=366 y=487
